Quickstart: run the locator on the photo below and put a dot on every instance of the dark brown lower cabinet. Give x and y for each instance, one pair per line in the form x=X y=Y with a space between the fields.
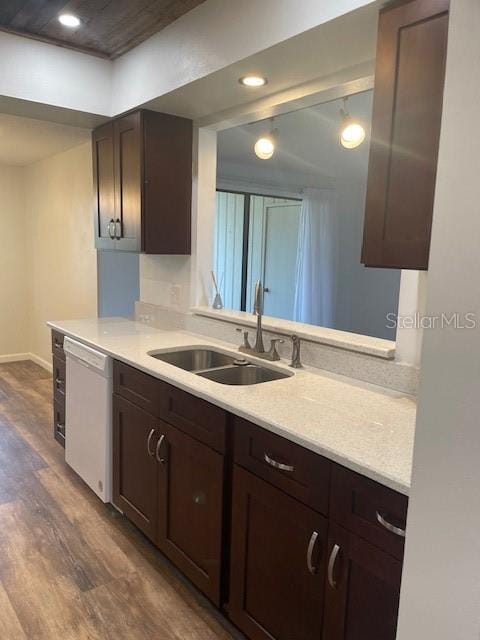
x=278 y=553
x=171 y=487
x=190 y=508
x=281 y=568
x=59 y=388
x=362 y=589
x=135 y=470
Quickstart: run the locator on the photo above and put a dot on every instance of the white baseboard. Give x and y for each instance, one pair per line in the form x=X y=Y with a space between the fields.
x=41 y=362
x=14 y=357
x=19 y=357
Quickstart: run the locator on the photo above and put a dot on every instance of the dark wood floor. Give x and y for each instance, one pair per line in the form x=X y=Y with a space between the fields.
x=71 y=567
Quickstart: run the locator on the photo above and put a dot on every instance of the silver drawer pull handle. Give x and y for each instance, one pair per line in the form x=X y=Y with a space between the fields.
x=311 y=547
x=331 y=566
x=59 y=382
x=278 y=465
x=161 y=440
x=149 y=442
x=57 y=345
x=390 y=527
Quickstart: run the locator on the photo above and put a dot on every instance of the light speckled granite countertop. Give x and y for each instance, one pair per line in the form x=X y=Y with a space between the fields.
x=366 y=428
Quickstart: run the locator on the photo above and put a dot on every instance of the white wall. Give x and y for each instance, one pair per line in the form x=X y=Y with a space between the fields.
x=62 y=256
x=215 y=34
x=441 y=585
x=40 y=72
x=14 y=329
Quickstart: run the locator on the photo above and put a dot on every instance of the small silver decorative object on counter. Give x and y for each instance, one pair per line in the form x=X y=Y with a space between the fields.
x=217 y=301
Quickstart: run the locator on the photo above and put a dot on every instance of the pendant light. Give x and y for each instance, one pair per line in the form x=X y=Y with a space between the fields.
x=265 y=146
x=352 y=133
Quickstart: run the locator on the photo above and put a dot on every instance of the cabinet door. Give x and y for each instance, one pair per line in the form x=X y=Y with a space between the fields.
x=59 y=379
x=407 y=109
x=362 y=589
x=104 y=186
x=168 y=184
x=191 y=508
x=128 y=182
x=135 y=469
x=278 y=555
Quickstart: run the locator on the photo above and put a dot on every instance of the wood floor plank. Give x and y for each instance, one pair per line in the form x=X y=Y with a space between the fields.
x=10 y=626
x=72 y=568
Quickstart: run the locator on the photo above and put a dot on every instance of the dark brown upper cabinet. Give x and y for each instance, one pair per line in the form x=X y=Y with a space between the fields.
x=142 y=171
x=407 y=109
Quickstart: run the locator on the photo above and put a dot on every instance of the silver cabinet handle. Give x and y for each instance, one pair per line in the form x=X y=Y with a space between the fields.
x=331 y=566
x=59 y=382
x=278 y=465
x=57 y=345
x=112 y=235
x=160 y=459
x=389 y=526
x=311 y=547
x=118 y=236
x=149 y=442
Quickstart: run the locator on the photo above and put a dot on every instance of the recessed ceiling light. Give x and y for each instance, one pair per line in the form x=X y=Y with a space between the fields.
x=253 y=81
x=69 y=20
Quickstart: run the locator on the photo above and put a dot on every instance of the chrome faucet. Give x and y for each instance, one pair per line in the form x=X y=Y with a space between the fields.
x=259 y=349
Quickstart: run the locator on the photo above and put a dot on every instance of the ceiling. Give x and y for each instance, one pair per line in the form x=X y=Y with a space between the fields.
x=23 y=140
x=109 y=27
x=308 y=152
x=331 y=49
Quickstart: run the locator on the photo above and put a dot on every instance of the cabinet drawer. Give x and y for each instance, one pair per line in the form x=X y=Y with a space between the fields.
x=59 y=372
x=293 y=469
x=369 y=509
x=57 y=345
x=198 y=418
x=141 y=389
x=59 y=421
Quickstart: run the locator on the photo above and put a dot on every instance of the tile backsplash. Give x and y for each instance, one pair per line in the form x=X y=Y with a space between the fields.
x=165 y=281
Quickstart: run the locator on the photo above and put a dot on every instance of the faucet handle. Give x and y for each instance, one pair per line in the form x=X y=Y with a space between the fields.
x=273 y=353
x=246 y=346
x=296 y=363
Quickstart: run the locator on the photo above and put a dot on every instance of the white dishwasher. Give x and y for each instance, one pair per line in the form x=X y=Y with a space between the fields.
x=88 y=416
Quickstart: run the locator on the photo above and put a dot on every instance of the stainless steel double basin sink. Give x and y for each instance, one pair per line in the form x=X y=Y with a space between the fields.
x=220 y=367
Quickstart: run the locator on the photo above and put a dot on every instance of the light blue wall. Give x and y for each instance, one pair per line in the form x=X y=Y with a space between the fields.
x=118 y=283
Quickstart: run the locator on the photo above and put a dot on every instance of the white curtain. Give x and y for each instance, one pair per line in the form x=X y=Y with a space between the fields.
x=315 y=279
